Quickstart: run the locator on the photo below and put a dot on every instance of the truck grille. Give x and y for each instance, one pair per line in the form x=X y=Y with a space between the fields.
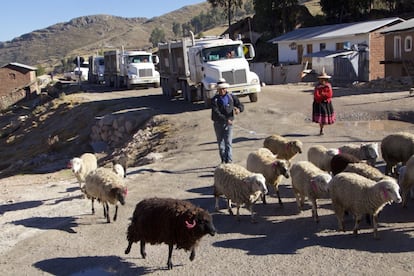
x=235 y=77
x=145 y=72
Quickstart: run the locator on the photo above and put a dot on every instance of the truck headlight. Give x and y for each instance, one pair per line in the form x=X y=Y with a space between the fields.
x=254 y=81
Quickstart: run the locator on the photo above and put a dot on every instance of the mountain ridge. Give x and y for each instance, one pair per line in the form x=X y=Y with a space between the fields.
x=86 y=35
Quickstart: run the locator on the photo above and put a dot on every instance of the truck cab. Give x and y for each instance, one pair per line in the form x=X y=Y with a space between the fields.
x=139 y=70
x=213 y=59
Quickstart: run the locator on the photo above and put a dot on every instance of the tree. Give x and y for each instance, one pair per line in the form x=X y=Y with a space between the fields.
x=275 y=16
x=157 y=36
x=176 y=28
x=228 y=5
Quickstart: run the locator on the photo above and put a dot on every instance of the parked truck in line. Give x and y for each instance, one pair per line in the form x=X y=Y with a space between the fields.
x=96 y=69
x=193 y=67
x=130 y=69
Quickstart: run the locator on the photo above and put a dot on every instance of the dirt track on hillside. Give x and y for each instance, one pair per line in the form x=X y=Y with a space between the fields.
x=47 y=227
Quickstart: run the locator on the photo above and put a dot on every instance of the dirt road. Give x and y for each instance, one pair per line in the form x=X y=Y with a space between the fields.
x=47 y=227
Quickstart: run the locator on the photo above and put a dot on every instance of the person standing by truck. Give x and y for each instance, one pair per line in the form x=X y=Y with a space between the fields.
x=224 y=106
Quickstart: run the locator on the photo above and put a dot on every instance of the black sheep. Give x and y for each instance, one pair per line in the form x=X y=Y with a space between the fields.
x=340 y=161
x=170 y=221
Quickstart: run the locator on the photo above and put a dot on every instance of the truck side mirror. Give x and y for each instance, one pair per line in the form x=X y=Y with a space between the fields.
x=155 y=59
x=248 y=51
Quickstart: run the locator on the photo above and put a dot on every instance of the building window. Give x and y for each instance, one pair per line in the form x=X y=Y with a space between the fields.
x=408 y=44
x=397 y=47
x=309 y=48
x=339 y=46
x=322 y=46
x=12 y=76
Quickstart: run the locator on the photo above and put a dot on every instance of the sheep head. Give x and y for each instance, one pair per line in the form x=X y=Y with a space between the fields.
x=75 y=164
x=201 y=222
x=390 y=190
x=282 y=166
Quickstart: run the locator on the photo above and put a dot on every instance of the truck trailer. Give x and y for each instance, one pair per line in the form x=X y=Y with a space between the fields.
x=193 y=67
x=130 y=69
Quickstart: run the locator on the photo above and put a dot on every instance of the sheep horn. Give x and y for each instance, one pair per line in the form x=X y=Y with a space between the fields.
x=189 y=225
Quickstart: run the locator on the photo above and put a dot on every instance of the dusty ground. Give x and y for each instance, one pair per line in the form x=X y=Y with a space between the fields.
x=47 y=227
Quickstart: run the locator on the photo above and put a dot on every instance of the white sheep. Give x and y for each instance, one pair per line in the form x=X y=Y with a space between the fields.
x=321 y=157
x=406 y=179
x=365 y=170
x=119 y=170
x=360 y=195
x=396 y=148
x=239 y=186
x=309 y=181
x=265 y=162
x=365 y=151
x=82 y=166
x=282 y=147
x=106 y=186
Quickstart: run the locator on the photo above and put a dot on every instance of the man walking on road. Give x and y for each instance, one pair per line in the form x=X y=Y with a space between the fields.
x=224 y=106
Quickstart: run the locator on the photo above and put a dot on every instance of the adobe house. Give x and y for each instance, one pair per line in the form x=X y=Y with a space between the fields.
x=349 y=51
x=17 y=81
x=399 y=50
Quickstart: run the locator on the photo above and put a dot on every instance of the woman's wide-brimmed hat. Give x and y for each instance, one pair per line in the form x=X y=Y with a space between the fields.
x=222 y=84
x=324 y=76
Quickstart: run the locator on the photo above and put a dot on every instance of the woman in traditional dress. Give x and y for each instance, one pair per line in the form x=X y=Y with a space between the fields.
x=322 y=109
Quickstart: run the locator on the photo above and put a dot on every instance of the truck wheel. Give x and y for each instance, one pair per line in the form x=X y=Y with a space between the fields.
x=253 y=97
x=156 y=84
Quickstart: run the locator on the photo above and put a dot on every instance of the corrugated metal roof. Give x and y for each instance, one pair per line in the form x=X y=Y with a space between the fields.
x=406 y=25
x=336 y=30
x=31 y=68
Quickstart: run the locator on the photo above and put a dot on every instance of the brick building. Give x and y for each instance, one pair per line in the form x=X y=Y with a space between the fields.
x=17 y=81
x=399 y=50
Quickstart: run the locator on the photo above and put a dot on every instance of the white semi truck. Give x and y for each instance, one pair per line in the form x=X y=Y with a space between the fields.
x=130 y=69
x=192 y=67
x=96 y=69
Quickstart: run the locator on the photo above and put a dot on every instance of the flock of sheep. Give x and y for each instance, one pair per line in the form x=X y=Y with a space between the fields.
x=155 y=220
x=346 y=174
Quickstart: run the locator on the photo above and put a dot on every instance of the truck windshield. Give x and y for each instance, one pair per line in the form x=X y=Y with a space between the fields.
x=222 y=52
x=139 y=58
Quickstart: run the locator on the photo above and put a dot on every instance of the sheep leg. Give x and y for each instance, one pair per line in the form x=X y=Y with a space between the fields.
x=143 y=253
x=229 y=207
x=264 y=199
x=315 y=210
x=375 y=225
x=170 y=250
x=253 y=219
x=216 y=206
x=192 y=255
x=298 y=201
x=93 y=207
x=340 y=216
x=106 y=207
x=128 y=249
x=116 y=212
x=238 y=212
x=357 y=222
x=278 y=197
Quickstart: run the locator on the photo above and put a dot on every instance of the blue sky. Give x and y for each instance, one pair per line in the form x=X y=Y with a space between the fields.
x=18 y=17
